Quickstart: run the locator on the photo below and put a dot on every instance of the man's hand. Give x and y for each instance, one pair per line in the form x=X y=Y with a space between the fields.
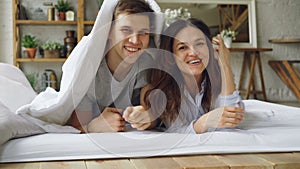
x=110 y=120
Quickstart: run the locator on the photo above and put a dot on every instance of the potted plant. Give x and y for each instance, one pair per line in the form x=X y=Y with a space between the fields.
x=30 y=43
x=171 y=15
x=228 y=35
x=62 y=7
x=52 y=49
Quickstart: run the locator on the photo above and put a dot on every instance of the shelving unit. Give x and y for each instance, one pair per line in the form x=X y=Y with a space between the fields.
x=20 y=27
x=284 y=40
x=80 y=23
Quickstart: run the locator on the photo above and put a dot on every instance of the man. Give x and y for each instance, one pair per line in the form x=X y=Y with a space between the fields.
x=118 y=80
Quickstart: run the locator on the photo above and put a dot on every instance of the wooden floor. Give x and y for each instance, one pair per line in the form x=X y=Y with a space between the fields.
x=235 y=161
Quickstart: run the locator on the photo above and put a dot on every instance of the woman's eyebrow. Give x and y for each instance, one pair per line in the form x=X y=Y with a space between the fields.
x=180 y=43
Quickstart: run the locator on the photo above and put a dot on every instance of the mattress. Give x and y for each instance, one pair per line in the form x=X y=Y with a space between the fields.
x=267 y=127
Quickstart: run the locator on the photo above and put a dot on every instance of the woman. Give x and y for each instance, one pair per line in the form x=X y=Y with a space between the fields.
x=198 y=85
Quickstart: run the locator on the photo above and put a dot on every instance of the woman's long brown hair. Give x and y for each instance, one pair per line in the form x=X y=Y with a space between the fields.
x=168 y=78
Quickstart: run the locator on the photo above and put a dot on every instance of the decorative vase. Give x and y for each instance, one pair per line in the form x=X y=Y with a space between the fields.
x=227 y=42
x=69 y=42
x=31 y=52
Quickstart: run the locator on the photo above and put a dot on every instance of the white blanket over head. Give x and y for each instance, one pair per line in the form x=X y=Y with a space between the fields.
x=78 y=71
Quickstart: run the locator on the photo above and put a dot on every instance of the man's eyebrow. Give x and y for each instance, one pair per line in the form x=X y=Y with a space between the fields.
x=145 y=29
x=125 y=26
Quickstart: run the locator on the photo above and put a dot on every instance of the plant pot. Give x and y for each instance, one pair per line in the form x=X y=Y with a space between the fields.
x=227 y=42
x=61 y=16
x=51 y=53
x=31 y=52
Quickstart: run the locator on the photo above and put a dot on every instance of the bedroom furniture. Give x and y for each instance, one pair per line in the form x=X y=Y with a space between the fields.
x=251 y=56
x=284 y=40
x=288 y=73
x=19 y=24
x=266 y=138
x=233 y=161
x=51 y=31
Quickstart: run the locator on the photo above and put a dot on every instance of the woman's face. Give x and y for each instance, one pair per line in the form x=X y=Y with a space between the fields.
x=191 y=51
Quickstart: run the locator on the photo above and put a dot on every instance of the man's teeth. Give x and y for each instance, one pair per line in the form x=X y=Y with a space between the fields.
x=132 y=49
x=194 y=61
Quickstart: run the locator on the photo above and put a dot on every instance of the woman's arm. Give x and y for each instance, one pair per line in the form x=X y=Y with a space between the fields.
x=223 y=117
x=228 y=85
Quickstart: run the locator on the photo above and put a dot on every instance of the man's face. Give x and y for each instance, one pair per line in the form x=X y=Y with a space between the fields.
x=129 y=36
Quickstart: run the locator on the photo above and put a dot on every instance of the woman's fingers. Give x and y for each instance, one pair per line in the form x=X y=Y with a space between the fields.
x=230 y=116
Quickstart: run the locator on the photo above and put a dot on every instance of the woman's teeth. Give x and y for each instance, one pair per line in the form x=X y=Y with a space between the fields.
x=194 y=61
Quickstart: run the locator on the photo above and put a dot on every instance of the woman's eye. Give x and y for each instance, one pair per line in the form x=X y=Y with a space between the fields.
x=200 y=44
x=181 y=47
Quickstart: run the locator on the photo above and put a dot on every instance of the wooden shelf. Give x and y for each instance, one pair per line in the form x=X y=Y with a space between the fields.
x=284 y=40
x=41 y=60
x=89 y=22
x=44 y=22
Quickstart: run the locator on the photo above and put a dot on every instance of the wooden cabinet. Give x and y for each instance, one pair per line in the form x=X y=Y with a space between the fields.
x=47 y=30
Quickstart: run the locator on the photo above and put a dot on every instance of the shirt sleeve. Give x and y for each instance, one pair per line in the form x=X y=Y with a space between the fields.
x=231 y=100
x=85 y=105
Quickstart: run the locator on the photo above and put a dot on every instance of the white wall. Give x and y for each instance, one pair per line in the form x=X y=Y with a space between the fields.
x=6 y=36
x=275 y=19
x=278 y=19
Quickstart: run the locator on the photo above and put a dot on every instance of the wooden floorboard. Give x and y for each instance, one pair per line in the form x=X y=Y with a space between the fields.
x=225 y=161
x=155 y=163
x=245 y=161
x=30 y=165
x=63 y=165
x=109 y=164
x=200 y=162
x=283 y=160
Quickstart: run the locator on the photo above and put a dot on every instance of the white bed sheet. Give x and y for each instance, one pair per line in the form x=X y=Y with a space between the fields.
x=267 y=128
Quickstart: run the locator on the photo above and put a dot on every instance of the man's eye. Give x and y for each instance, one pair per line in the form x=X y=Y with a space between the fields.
x=126 y=31
x=143 y=33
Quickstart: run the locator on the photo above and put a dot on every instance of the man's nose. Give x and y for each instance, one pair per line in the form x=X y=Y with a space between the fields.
x=134 y=38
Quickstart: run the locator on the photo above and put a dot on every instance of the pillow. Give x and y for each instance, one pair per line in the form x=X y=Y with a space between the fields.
x=14 y=126
x=15 y=90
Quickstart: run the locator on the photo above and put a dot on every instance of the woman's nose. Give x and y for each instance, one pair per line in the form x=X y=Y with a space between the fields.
x=193 y=52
